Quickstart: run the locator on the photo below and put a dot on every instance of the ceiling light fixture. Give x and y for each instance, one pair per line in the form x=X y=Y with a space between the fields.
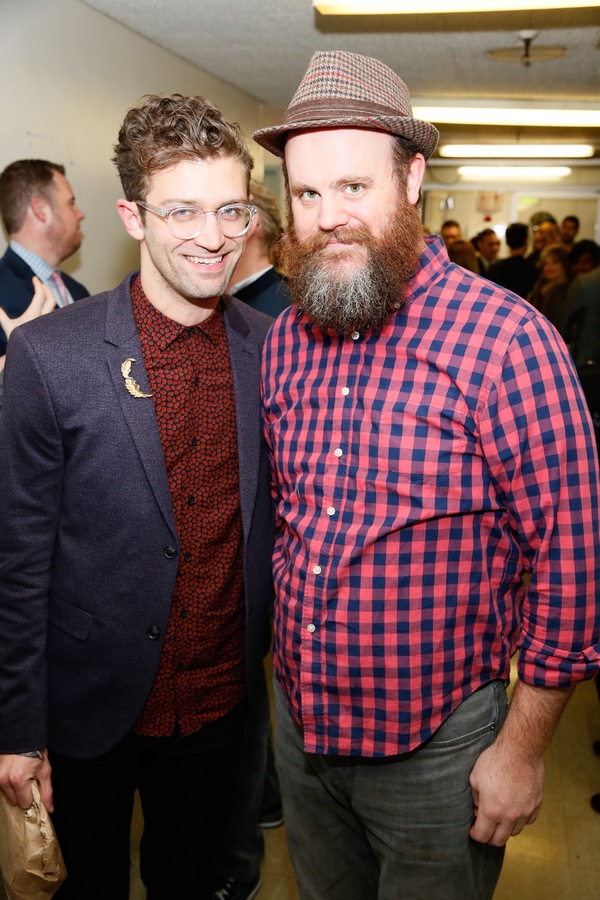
x=496 y=173
x=527 y=54
x=418 y=7
x=527 y=116
x=517 y=151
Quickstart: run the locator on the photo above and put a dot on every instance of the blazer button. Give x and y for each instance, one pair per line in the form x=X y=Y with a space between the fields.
x=153 y=633
x=170 y=552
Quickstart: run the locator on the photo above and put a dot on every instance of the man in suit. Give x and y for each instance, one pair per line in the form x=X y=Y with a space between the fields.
x=256 y=280
x=41 y=216
x=136 y=526
x=487 y=245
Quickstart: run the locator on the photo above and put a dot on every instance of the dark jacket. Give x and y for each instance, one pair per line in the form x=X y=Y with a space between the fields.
x=88 y=545
x=16 y=288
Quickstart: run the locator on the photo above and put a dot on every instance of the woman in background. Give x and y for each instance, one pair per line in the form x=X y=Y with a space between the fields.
x=550 y=290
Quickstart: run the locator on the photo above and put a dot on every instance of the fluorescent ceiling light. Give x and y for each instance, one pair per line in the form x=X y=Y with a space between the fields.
x=418 y=7
x=498 y=115
x=494 y=173
x=517 y=151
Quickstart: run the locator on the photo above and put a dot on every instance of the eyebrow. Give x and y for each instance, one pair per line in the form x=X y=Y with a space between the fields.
x=300 y=187
x=181 y=202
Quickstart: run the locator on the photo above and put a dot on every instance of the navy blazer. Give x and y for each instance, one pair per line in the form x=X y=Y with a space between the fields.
x=88 y=545
x=16 y=288
x=269 y=293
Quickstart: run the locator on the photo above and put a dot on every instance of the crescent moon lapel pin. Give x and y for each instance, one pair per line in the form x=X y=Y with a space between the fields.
x=130 y=383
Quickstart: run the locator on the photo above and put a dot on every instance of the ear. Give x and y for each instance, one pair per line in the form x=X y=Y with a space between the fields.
x=415 y=177
x=131 y=217
x=40 y=208
x=254 y=226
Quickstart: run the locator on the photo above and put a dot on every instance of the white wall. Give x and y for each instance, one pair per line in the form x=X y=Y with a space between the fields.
x=68 y=76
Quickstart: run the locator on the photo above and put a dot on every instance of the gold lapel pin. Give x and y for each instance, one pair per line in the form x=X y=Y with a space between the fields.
x=130 y=383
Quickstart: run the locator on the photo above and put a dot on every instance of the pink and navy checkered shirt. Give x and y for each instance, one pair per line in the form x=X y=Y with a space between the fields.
x=421 y=474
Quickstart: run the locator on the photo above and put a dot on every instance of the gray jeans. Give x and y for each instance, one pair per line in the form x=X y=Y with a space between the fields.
x=391 y=829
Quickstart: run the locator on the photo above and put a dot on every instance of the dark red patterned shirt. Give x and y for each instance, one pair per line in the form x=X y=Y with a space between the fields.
x=201 y=674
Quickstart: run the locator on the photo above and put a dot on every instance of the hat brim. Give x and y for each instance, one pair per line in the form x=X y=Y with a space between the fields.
x=422 y=134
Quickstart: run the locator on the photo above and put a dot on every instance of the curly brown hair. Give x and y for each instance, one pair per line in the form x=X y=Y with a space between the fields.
x=162 y=131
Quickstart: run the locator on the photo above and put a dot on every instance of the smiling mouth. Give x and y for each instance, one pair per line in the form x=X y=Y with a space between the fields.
x=202 y=261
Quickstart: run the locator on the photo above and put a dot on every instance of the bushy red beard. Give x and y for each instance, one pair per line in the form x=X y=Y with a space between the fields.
x=343 y=298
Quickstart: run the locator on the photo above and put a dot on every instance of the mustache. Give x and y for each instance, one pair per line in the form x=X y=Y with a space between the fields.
x=321 y=240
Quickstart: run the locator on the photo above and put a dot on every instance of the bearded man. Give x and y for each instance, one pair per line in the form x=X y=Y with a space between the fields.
x=432 y=456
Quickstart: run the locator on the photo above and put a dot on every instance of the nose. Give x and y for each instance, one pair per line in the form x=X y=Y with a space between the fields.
x=211 y=237
x=332 y=212
x=80 y=214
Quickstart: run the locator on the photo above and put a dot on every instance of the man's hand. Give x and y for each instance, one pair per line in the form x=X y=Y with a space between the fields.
x=42 y=302
x=507 y=793
x=507 y=781
x=17 y=773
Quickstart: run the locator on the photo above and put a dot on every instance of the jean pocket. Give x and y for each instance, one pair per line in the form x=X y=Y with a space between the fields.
x=481 y=713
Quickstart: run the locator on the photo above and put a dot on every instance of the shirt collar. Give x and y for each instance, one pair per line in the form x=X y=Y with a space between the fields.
x=39 y=266
x=249 y=280
x=160 y=328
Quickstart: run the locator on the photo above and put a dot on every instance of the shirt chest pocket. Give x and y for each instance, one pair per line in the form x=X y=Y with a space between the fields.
x=422 y=440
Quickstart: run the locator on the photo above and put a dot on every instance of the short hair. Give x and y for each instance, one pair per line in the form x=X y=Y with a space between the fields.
x=403 y=153
x=580 y=248
x=270 y=215
x=162 y=131
x=539 y=217
x=463 y=254
x=557 y=253
x=20 y=182
x=485 y=233
x=450 y=223
x=573 y=219
x=516 y=235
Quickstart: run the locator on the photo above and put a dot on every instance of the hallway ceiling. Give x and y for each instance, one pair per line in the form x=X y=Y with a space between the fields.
x=264 y=50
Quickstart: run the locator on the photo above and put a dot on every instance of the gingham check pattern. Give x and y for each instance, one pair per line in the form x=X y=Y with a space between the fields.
x=420 y=473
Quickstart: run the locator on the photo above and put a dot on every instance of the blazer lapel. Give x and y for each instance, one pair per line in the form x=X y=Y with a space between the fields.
x=123 y=344
x=245 y=364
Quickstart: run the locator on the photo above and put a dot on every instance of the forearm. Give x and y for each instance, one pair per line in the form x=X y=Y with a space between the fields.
x=532 y=717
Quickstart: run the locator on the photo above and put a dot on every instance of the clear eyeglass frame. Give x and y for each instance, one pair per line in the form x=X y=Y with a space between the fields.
x=236 y=227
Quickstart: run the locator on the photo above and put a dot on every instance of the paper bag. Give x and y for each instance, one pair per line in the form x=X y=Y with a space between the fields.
x=30 y=858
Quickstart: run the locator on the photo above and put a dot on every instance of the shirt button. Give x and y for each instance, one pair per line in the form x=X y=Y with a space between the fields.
x=183 y=613
x=194 y=442
x=153 y=633
x=331 y=510
x=191 y=501
x=345 y=391
x=188 y=557
x=170 y=552
x=338 y=452
x=312 y=628
x=317 y=570
x=355 y=335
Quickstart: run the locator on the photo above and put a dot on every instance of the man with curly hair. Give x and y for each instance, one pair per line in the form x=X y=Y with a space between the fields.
x=135 y=526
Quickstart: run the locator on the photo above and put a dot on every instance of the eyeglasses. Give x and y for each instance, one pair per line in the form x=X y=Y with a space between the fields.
x=187 y=222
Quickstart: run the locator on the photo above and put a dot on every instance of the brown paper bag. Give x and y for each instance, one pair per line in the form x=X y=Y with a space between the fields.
x=30 y=858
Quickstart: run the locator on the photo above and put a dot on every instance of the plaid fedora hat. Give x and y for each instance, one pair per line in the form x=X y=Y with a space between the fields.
x=346 y=90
